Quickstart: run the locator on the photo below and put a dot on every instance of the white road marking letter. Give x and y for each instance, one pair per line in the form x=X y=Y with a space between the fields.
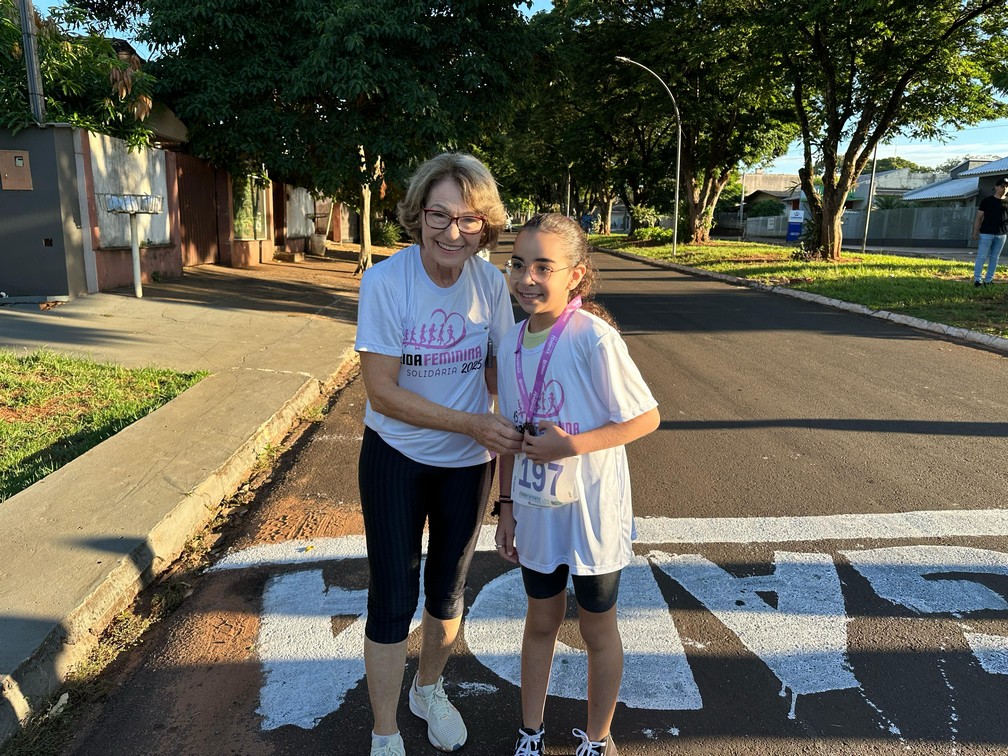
x=308 y=671
x=656 y=674
x=920 y=578
x=803 y=640
x=915 y=576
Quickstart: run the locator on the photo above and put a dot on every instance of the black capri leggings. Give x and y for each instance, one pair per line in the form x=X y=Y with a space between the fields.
x=397 y=496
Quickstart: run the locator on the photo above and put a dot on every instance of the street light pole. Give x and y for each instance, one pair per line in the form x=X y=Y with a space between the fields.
x=569 y=187
x=675 y=212
x=871 y=197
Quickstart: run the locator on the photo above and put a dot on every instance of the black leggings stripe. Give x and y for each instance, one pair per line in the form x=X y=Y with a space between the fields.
x=397 y=496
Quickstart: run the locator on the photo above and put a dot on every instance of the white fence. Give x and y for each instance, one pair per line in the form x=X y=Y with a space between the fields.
x=909 y=226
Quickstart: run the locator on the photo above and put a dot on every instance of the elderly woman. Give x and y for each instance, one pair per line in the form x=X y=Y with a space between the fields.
x=428 y=319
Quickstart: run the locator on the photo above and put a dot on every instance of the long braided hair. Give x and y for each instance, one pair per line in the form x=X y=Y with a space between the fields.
x=575 y=244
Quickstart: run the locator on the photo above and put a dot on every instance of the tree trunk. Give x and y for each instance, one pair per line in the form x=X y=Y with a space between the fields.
x=830 y=234
x=701 y=201
x=364 y=258
x=700 y=221
x=607 y=215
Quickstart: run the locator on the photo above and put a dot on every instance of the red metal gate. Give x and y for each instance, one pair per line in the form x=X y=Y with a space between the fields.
x=197 y=211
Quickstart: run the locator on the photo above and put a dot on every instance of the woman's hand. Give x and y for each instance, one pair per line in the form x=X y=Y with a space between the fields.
x=495 y=433
x=551 y=443
x=504 y=537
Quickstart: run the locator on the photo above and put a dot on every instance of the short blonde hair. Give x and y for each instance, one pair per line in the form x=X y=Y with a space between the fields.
x=479 y=191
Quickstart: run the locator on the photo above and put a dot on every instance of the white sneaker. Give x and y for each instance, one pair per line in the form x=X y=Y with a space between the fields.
x=589 y=747
x=530 y=742
x=445 y=728
x=394 y=746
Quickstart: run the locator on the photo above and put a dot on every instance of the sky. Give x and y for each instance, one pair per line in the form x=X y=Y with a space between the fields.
x=987 y=139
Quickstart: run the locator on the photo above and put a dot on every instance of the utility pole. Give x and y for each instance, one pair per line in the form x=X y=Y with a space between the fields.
x=35 y=97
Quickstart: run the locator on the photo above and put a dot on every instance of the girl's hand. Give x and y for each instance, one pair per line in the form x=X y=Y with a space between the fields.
x=552 y=443
x=504 y=537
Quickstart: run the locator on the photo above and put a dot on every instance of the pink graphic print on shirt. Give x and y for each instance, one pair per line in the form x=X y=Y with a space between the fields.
x=442 y=330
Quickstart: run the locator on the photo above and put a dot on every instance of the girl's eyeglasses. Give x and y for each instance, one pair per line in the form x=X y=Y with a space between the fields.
x=539 y=271
x=467 y=224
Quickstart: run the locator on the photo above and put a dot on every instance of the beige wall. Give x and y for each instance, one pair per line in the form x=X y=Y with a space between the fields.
x=116 y=170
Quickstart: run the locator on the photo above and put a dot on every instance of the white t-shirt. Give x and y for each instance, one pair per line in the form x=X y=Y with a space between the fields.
x=590 y=381
x=440 y=336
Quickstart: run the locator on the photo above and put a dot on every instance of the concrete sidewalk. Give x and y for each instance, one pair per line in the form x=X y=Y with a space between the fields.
x=79 y=545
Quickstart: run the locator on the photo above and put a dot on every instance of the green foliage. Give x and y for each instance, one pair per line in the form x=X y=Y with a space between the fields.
x=767 y=208
x=889 y=202
x=644 y=216
x=385 y=233
x=522 y=206
x=653 y=234
x=120 y=15
x=614 y=128
x=300 y=87
x=84 y=81
x=897 y=163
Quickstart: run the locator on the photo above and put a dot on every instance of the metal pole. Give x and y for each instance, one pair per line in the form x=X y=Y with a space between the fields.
x=871 y=195
x=135 y=244
x=741 y=210
x=675 y=212
x=35 y=97
x=569 y=192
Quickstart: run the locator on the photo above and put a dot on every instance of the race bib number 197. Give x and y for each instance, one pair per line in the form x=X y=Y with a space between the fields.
x=554 y=484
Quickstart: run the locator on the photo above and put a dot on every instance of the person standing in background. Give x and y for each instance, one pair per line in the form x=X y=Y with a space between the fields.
x=989 y=229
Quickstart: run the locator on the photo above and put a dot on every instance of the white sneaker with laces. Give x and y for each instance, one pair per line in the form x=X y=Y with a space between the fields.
x=530 y=742
x=393 y=747
x=445 y=728
x=588 y=747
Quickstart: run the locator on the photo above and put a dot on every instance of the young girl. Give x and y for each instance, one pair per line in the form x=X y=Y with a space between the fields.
x=566 y=380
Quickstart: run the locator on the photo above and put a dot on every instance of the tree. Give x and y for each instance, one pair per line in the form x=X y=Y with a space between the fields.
x=305 y=88
x=896 y=163
x=767 y=208
x=729 y=114
x=85 y=80
x=860 y=71
x=109 y=15
x=889 y=202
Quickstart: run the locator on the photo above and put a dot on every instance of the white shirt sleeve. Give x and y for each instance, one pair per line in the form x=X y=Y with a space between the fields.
x=379 y=319
x=616 y=376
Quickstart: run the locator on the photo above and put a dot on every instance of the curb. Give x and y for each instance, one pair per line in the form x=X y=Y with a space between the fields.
x=70 y=642
x=995 y=343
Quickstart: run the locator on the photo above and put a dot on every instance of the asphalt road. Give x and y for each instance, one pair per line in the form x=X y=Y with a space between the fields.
x=823 y=561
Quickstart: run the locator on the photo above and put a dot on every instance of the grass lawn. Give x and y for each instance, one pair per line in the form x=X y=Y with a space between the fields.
x=937 y=290
x=54 y=408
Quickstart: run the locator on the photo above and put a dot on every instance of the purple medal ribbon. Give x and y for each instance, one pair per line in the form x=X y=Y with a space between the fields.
x=527 y=401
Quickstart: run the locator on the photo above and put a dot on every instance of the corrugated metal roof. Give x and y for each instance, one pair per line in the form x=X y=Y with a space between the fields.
x=988 y=169
x=958 y=188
